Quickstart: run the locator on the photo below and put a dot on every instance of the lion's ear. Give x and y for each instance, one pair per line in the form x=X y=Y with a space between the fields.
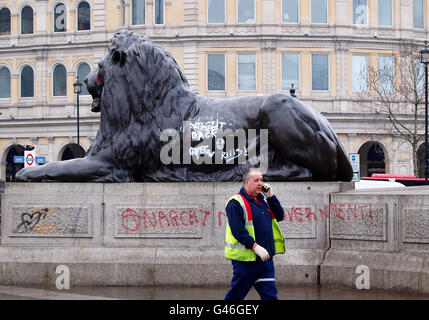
x=119 y=56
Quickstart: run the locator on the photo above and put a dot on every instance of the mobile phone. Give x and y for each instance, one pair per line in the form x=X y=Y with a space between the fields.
x=264 y=188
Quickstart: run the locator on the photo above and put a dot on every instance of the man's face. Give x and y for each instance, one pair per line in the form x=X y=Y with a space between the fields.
x=254 y=184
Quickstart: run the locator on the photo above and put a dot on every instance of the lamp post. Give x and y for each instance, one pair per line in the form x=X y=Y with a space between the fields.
x=77 y=89
x=292 y=91
x=424 y=58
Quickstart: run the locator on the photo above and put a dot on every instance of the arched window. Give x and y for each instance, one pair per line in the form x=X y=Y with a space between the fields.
x=4 y=82
x=60 y=18
x=138 y=11
x=82 y=72
x=73 y=151
x=59 y=81
x=27 y=82
x=83 y=16
x=4 y=22
x=372 y=159
x=27 y=20
x=11 y=167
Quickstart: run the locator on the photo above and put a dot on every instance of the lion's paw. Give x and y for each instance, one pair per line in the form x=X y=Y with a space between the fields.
x=26 y=175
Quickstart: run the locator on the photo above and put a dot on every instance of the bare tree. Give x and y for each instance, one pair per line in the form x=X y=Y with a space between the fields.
x=395 y=88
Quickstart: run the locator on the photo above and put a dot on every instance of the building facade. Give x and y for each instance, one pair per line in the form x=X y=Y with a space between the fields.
x=224 y=47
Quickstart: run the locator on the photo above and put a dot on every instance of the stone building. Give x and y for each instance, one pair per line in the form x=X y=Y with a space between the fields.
x=224 y=47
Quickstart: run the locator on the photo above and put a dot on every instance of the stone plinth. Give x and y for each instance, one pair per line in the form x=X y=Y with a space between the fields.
x=173 y=234
x=385 y=230
x=148 y=233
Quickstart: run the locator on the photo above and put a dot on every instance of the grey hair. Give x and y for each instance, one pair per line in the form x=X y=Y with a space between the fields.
x=248 y=173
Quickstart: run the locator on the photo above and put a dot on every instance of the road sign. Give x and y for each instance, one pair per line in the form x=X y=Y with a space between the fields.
x=355 y=162
x=40 y=160
x=29 y=161
x=30 y=158
x=18 y=159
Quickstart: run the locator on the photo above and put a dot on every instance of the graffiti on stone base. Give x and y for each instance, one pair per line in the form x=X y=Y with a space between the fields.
x=36 y=221
x=51 y=221
x=136 y=220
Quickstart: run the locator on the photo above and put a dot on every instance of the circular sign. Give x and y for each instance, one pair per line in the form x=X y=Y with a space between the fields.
x=29 y=159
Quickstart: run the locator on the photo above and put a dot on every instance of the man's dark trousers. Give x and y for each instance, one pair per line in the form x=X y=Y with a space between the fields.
x=246 y=274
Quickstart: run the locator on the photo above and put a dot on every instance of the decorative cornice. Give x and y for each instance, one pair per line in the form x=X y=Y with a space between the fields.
x=342 y=46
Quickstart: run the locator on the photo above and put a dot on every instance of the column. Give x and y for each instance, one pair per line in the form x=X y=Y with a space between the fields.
x=190 y=64
x=41 y=15
x=51 y=155
x=343 y=71
x=40 y=83
x=190 y=11
x=269 y=69
x=98 y=19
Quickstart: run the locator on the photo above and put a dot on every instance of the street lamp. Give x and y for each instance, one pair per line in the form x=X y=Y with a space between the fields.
x=292 y=91
x=424 y=58
x=77 y=89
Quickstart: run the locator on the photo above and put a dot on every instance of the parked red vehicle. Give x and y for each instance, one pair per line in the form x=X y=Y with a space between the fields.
x=405 y=179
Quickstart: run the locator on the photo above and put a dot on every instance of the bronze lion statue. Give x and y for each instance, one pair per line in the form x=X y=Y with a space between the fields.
x=149 y=116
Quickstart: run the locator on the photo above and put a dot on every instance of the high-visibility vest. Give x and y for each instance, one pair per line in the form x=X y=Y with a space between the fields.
x=234 y=250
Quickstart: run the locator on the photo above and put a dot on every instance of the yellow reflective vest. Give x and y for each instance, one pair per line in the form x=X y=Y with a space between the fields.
x=234 y=250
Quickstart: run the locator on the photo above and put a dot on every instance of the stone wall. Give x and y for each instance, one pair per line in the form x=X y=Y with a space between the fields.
x=385 y=230
x=173 y=234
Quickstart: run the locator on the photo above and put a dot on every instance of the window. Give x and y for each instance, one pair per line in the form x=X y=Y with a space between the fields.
x=290 y=11
x=59 y=81
x=216 y=71
x=319 y=11
x=290 y=71
x=216 y=11
x=385 y=73
x=246 y=11
x=60 y=18
x=123 y=5
x=4 y=82
x=418 y=73
x=83 y=16
x=82 y=71
x=320 y=71
x=139 y=12
x=27 y=20
x=27 y=82
x=360 y=73
x=418 y=14
x=247 y=71
x=360 y=12
x=4 y=21
x=385 y=13
x=159 y=11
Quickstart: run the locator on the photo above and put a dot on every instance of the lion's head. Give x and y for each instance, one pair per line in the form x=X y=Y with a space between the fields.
x=139 y=89
x=134 y=66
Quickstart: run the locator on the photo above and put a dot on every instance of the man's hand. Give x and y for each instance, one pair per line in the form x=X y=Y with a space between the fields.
x=261 y=252
x=267 y=190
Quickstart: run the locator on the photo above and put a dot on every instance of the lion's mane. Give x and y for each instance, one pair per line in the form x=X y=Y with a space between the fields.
x=142 y=96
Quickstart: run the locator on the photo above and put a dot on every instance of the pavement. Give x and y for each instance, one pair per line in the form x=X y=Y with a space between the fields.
x=193 y=293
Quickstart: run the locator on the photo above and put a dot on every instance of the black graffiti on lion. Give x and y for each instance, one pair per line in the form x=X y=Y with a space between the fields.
x=141 y=93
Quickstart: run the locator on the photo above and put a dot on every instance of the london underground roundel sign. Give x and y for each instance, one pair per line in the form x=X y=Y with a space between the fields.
x=29 y=159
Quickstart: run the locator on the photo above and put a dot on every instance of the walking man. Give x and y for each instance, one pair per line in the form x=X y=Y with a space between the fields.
x=253 y=237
